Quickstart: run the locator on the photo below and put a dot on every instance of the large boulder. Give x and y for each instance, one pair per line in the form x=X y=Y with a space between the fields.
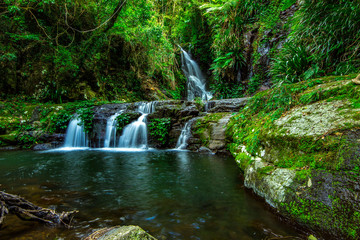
x=209 y=132
x=121 y=233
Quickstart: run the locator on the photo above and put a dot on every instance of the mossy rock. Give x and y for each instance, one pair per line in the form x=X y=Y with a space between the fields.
x=9 y=139
x=121 y=233
x=210 y=130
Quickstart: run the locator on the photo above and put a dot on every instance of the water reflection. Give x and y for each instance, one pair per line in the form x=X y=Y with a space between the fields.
x=176 y=195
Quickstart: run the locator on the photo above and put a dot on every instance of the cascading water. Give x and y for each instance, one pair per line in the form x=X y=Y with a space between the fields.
x=135 y=134
x=185 y=135
x=110 y=135
x=195 y=79
x=75 y=134
x=147 y=107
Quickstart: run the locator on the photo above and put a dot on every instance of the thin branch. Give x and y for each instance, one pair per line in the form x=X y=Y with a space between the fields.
x=102 y=24
x=40 y=25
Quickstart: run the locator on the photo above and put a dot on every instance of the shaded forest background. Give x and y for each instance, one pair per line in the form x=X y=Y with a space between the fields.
x=125 y=50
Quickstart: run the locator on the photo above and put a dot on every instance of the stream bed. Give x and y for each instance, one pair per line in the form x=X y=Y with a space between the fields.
x=170 y=194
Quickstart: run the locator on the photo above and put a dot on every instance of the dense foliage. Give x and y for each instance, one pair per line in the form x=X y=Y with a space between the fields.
x=56 y=51
x=67 y=50
x=320 y=43
x=159 y=129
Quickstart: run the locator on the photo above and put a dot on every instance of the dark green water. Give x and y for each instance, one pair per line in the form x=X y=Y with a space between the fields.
x=172 y=195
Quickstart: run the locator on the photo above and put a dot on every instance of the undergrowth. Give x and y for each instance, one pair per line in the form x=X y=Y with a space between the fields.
x=159 y=129
x=251 y=125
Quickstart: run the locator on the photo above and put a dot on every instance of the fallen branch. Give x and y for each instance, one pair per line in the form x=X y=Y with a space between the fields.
x=28 y=211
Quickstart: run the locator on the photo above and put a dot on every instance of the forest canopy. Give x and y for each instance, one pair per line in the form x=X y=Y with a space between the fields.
x=62 y=50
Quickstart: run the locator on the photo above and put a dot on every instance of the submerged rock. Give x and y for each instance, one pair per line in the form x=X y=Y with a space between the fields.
x=42 y=147
x=205 y=150
x=121 y=233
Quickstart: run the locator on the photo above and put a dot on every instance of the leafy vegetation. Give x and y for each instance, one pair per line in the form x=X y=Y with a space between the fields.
x=86 y=115
x=253 y=126
x=320 y=44
x=123 y=50
x=68 y=50
x=159 y=129
x=125 y=119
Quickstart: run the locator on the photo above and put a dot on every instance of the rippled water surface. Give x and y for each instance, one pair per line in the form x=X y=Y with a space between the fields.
x=172 y=195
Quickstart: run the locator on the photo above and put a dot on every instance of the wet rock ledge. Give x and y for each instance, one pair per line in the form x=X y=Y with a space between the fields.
x=208 y=121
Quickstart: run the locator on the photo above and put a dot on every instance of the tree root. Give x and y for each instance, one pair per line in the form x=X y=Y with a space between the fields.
x=28 y=211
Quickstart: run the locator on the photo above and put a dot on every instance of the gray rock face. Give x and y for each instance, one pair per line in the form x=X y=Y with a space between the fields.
x=121 y=233
x=271 y=186
x=225 y=105
x=217 y=141
x=317 y=119
x=43 y=146
x=189 y=111
x=209 y=132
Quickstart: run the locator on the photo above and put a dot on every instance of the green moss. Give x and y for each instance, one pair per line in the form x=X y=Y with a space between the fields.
x=266 y=170
x=8 y=139
x=243 y=160
x=343 y=218
x=333 y=91
x=254 y=125
x=213 y=117
x=302 y=175
x=202 y=131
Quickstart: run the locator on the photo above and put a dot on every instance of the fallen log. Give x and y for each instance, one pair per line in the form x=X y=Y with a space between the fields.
x=28 y=211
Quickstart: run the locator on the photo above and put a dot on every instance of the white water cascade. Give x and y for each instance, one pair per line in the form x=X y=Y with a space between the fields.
x=195 y=79
x=75 y=134
x=182 y=141
x=135 y=134
x=110 y=135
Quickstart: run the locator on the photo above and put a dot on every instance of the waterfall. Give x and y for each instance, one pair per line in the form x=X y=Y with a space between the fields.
x=135 y=134
x=75 y=134
x=110 y=135
x=185 y=135
x=195 y=79
x=147 y=107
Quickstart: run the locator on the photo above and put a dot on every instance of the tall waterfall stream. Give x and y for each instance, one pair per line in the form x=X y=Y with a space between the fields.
x=196 y=82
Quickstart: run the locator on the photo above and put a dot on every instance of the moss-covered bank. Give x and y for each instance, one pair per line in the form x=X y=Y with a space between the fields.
x=298 y=146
